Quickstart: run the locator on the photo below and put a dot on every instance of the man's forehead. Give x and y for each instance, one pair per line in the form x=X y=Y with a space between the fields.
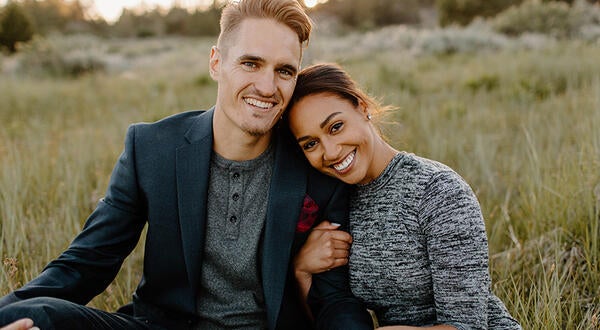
x=264 y=39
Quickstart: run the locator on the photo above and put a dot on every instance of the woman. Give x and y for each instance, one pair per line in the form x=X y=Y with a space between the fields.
x=419 y=255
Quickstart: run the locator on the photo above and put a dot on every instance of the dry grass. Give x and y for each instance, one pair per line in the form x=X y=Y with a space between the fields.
x=522 y=125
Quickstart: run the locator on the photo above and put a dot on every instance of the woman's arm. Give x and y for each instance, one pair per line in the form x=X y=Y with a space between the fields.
x=325 y=248
x=454 y=230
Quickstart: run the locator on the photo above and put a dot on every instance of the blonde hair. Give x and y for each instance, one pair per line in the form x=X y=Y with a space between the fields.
x=287 y=12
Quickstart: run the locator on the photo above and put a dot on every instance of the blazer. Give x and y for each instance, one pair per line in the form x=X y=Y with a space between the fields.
x=161 y=180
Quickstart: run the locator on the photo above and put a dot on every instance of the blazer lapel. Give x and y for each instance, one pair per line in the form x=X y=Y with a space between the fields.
x=192 y=170
x=286 y=193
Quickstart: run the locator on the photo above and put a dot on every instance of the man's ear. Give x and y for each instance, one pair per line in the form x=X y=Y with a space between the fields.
x=214 y=63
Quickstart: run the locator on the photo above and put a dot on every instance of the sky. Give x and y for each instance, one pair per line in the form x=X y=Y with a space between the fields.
x=110 y=10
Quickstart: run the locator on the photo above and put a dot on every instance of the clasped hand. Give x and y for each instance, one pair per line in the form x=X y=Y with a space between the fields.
x=326 y=247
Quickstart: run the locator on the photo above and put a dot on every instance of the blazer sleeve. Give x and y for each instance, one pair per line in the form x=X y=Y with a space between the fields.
x=95 y=256
x=332 y=303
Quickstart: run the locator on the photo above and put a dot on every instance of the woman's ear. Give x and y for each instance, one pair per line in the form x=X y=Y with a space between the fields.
x=363 y=108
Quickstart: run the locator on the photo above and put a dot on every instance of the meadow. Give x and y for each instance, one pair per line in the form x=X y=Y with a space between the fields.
x=518 y=118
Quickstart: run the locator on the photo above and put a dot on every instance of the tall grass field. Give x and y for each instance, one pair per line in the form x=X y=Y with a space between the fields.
x=518 y=118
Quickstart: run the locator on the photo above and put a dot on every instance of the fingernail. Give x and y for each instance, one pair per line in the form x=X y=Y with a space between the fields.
x=335 y=224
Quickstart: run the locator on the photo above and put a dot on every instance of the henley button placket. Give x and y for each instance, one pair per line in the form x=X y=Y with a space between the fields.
x=233 y=224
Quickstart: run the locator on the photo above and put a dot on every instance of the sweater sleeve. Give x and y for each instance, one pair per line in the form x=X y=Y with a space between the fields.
x=458 y=251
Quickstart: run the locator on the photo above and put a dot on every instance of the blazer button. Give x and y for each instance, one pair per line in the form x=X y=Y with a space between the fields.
x=233 y=219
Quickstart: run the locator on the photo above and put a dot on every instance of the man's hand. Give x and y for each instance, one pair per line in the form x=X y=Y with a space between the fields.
x=325 y=248
x=22 y=324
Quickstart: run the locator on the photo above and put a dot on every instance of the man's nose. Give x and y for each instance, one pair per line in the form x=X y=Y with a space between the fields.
x=265 y=83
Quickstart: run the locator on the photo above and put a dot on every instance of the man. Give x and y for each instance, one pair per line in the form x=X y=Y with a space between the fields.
x=226 y=200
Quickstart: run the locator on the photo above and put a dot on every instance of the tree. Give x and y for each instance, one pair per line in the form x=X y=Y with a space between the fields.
x=15 y=27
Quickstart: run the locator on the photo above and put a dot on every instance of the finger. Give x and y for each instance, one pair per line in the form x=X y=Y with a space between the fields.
x=341 y=245
x=326 y=225
x=341 y=262
x=21 y=324
x=337 y=254
x=340 y=236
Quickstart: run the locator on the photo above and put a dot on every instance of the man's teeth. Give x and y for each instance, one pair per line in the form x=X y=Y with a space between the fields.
x=260 y=104
x=344 y=165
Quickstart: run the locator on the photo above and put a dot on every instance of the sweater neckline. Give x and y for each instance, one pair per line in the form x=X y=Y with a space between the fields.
x=386 y=175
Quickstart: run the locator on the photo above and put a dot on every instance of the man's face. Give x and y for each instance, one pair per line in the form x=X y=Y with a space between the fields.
x=256 y=75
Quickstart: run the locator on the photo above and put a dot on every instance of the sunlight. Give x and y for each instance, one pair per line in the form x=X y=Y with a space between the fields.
x=310 y=3
x=111 y=10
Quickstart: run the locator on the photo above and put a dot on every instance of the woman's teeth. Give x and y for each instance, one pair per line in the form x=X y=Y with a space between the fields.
x=345 y=163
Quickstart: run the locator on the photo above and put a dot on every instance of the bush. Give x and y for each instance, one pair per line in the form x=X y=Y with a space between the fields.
x=15 y=27
x=462 y=12
x=63 y=57
x=556 y=19
x=369 y=14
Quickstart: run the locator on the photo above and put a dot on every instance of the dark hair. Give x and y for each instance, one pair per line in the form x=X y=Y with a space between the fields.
x=330 y=78
x=287 y=12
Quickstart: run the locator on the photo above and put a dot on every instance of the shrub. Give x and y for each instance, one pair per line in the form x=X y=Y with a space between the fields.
x=63 y=57
x=15 y=27
x=462 y=12
x=556 y=19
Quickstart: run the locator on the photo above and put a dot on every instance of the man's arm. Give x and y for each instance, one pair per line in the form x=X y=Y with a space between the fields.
x=95 y=256
x=325 y=248
x=332 y=304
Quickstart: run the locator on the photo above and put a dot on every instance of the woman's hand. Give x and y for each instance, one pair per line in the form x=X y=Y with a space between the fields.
x=22 y=324
x=324 y=249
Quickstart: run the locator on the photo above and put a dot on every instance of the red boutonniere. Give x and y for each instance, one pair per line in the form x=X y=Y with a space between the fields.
x=308 y=215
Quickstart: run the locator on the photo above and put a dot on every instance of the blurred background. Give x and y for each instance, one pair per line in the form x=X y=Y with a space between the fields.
x=506 y=92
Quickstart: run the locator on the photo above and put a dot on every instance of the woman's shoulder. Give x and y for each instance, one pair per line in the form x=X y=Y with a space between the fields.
x=428 y=174
x=421 y=165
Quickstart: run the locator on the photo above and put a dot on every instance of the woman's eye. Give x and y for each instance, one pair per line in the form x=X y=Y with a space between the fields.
x=336 y=127
x=309 y=145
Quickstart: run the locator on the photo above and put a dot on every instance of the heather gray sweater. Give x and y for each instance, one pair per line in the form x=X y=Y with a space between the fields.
x=420 y=253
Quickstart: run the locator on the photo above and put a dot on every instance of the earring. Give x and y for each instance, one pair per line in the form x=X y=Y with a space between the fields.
x=369 y=116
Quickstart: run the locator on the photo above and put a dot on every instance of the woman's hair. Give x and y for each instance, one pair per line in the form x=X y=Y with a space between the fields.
x=287 y=12
x=330 y=78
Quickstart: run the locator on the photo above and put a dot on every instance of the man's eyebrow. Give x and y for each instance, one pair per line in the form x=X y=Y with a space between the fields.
x=328 y=119
x=252 y=58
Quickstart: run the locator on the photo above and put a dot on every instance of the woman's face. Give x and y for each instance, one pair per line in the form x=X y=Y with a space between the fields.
x=335 y=136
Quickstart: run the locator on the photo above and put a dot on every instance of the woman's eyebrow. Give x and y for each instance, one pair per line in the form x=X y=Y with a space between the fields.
x=328 y=119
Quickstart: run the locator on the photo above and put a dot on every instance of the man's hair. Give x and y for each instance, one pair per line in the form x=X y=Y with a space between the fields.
x=287 y=12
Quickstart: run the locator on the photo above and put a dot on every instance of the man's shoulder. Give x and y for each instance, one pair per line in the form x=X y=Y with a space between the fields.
x=184 y=119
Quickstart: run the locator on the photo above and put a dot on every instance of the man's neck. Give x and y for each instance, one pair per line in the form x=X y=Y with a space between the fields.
x=238 y=145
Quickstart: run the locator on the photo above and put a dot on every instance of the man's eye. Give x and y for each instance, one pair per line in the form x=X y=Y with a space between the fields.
x=286 y=73
x=249 y=65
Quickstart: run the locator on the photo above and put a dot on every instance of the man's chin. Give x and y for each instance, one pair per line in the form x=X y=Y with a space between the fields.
x=257 y=132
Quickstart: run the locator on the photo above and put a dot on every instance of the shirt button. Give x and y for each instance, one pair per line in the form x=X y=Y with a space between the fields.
x=236 y=175
x=235 y=196
x=233 y=219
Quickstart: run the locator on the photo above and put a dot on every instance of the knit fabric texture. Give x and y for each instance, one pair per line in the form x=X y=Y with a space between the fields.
x=420 y=254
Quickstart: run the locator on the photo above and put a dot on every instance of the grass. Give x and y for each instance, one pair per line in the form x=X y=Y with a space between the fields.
x=522 y=126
